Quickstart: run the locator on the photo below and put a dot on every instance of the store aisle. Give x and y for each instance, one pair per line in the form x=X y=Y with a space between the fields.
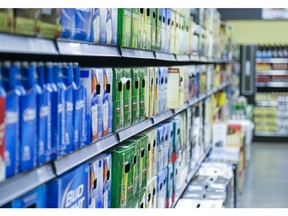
x=267 y=181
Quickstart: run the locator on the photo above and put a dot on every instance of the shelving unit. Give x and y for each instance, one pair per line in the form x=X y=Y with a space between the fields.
x=273 y=84
x=269 y=134
x=272 y=60
x=272 y=72
x=15 y=44
x=267 y=103
x=24 y=182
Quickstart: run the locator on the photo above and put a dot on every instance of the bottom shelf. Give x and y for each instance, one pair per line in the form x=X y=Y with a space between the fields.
x=271 y=134
x=191 y=175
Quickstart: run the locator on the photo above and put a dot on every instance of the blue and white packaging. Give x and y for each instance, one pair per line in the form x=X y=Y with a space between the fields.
x=83 y=24
x=96 y=25
x=170 y=128
x=35 y=198
x=165 y=147
x=51 y=87
x=28 y=117
x=44 y=142
x=67 y=22
x=162 y=181
x=160 y=144
x=95 y=185
x=108 y=26
x=170 y=187
x=107 y=104
x=105 y=23
x=177 y=137
x=92 y=80
x=107 y=173
x=58 y=78
x=69 y=190
x=114 y=18
x=79 y=109
x=69 y=106
x=12 y=128
x=2 y=128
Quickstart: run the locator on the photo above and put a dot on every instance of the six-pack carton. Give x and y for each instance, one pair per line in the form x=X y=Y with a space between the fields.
x=7 y=20
x=118 y=99
x=35 y=198
x=142 y=98
x=142 y=199
x=151 y=193
x=95 y=182
x=107 y=104
x=69 y=190
x=162 y=184
x=83 y=24
x=153 y=17
x=122 y=195
x=28 y=118
x=25 y=21
x=44 y=116
x=127 y=81
x=124 y=27
x=49 y=23
x=135 y=94
x=135 y=27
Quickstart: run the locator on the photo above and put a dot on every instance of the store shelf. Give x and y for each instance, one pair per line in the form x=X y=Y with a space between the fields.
x=270 y=134
x=272 y=72
x=70 y=161
x=135 y=53
x=134 y=129
x=183 y=58
x=194 y=58
x=26 y=45
x=273 y=84
x=24 y=182
x=191 y=175
x=267 y=103
x=85 y=49
x=272 y=60
x=165 y=56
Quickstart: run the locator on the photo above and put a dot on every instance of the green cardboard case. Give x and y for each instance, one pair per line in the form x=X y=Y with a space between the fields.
x=124 y=27
x=127 y=76
x=118 y=99
x=135 y=95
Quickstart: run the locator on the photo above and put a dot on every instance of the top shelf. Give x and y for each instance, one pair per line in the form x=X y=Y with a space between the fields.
x=16 y=44
x=272 y=60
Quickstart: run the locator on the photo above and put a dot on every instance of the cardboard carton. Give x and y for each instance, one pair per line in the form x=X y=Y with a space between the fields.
x=107 y=104
x=68 y=22
x=153 y=16
x=135 y=27
x=127 y=81
x=35 y=198
x=124 y=27
x=49 y=23
x=25 y=21
x=69 y=190
x=162 y=181
x=143 y=97
x=118 y=99
x=122 y=195
x=135 y=94
x=151 y=193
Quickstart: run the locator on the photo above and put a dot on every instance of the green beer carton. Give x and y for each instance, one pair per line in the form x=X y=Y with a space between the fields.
x=147 y=29
x=49 y=24
x=118 y=99
x=122 y=176
x=142 y=199
x=135 y=27
x=124 y=27
x=25 y=21
x=159 y=19
x=153 y=17
x=135 y=94
x=127 y=97
x=141 y=35
x=142 y=84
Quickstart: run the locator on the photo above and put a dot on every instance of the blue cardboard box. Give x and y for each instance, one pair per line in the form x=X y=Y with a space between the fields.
x=107 y=105
x=59 y=145
x=28 y=117
x=44 y=143
x=53 y=100
x=95 y=182
x=69 y=190
x=2 y=128
x=162 y=182
x=83 y=24
x=36 y=198
x=79 y=109
x=68 y=22
x=12 y=127
x=69 y=106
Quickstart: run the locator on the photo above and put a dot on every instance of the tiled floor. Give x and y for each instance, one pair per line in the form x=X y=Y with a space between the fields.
x=267 y=181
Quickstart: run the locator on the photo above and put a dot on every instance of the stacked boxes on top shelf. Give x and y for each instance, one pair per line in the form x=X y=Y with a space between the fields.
x=170 y=30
